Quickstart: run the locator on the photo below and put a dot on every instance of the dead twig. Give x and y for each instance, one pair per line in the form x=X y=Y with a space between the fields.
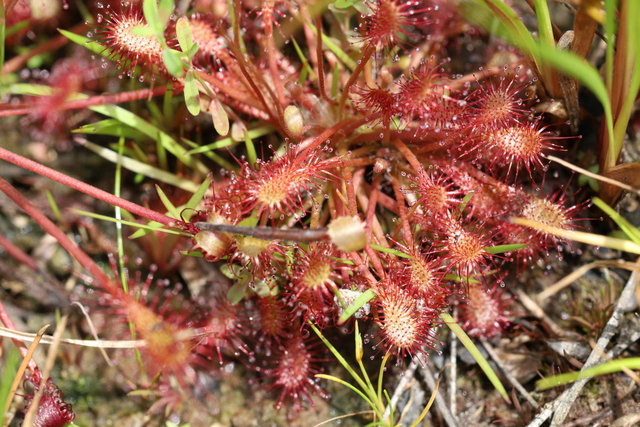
x=429 y=377
x=561 y=405
x=507 y=374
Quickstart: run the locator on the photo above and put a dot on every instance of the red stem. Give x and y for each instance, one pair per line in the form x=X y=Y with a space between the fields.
x=113 y=98
x=402 y=209
x=271 y=57
x=18 y=254
x=366 y=54
x=14 y=64
x=346 y=125
x=62 y=238
x=320 y=64
x=373 y=202
x=408 y=154
x=232 y=92
x=86 y=188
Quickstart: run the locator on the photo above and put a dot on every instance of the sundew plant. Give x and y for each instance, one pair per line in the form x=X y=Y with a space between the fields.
x=276 y=171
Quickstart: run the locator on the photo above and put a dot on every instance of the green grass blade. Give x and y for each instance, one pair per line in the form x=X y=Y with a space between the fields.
x=110 y=127
x=457 y=278
x=342 y=361
x=632 y=57
x=227 y=142
x=304 y=73
x=3 y=26
x=93 y=46
x=341 y=54
x=221 y=161
x=632 y=363
x=29 y=89
x=157 y=227
x=334 y=83
x=364 y=298
x=16 y=28
x=346 y=384
x=170 y=144
x=632 y=232
x=143 y=168
x=610 y=30
x=381 y=377
x=54 y=207
x=303 y=60
x=518 y=32
x=500 y=249
x=576 y=67
x=581 y=236
x=482 y=362
x=117 y=187
x=167 y=203
x=251 y=149
x=9 y=369
x=389 y=251
x=196 y=198
x=545 y=31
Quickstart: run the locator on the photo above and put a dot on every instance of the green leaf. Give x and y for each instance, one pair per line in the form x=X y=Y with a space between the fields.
x=183 y=31
x=545 y=31
x=165 y=9
x=150 y=10
x=192 y=52
x=173 y=60
x=219 y=116
x=237 y=291
x=142 y=31
x=457 y=278
x=196 y=254
x=344 y=4
x=346 y=384
x=191 y=94
x=482 y=362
